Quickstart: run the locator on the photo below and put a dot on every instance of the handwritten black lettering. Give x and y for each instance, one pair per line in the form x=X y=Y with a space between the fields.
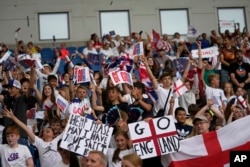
x=138 y=131
x=143 y=148
x=163 y=123
x=169 y=144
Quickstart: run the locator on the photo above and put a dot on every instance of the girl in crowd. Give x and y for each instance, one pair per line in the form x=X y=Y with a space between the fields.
x=69 y=159
x=228 y=91
x=47 y=101
x=123 y=143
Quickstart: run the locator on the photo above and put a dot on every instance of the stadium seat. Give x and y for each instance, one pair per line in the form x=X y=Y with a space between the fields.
x=47 y=56
x=194 y=46
x=71 y=50
x=80 y=48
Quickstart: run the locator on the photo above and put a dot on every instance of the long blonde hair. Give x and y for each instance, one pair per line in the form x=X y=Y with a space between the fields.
x=134 y=159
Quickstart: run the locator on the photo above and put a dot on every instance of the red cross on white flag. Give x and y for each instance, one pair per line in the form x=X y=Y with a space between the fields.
x=179 y=88
x=211 y=149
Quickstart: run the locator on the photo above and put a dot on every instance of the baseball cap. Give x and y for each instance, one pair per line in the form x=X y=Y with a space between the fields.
x=200 y=118
x=13 y=83
x=46 y=65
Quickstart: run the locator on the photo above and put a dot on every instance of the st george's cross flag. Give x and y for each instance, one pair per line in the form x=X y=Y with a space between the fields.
x=211 y=149
x=179 y=88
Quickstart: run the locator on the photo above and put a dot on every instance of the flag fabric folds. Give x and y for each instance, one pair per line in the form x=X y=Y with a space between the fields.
x=144 y=78
x=213 y=148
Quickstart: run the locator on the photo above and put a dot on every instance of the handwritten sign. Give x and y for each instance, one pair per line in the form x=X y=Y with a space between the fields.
x=82 y=135
x=80 y=107
x=206 y=53
x=121 y=77
x=154 y=138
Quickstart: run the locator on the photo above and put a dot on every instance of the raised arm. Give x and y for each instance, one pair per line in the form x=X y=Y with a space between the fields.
x=55 y=69
x=94 y=98
x=151 y=76
x=200 y=63
x=9 y=114
x=185 y=73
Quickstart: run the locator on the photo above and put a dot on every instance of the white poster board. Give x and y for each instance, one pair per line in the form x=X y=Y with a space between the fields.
x=119 y=77
x=154 y=138
x=82 y=135
x=206 y=53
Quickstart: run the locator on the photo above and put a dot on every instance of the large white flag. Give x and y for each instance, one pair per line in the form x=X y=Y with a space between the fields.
x=211 y=149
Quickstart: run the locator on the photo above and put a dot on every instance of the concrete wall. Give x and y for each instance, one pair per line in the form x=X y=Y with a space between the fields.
x=84 y=16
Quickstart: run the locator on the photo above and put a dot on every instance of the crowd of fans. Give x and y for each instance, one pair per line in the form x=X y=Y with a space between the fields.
x=217 y=94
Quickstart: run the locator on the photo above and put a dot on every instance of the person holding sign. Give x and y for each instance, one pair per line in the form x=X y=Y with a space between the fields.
x=69 y=159
x=140 y=104
x=80 y=105
x=123 y=148
x=112 y=109
x=162 y=90
x=47 y=145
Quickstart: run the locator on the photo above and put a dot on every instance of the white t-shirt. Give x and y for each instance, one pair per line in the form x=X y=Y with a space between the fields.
x=108 y=53
x=61 y=164
x=86 y=51
x=78 y=106
x=216 y=94
x=48 y=154
x=14 y=156
x=110 y=154
x=162 y=94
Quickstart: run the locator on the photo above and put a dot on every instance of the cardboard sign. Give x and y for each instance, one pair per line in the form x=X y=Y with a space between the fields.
x=206 y=53
x=181 y=63
x=82 y=74
x=226 y=23
x=80 y=107
x=95 y=59
x=82 y=135
x=138 y=49
x=154 y=138
x=62 y=103
x=119 y=77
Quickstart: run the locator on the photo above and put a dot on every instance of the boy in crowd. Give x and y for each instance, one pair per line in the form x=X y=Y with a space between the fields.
x=182 y=128
x=14 y=154
x=46 y=145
